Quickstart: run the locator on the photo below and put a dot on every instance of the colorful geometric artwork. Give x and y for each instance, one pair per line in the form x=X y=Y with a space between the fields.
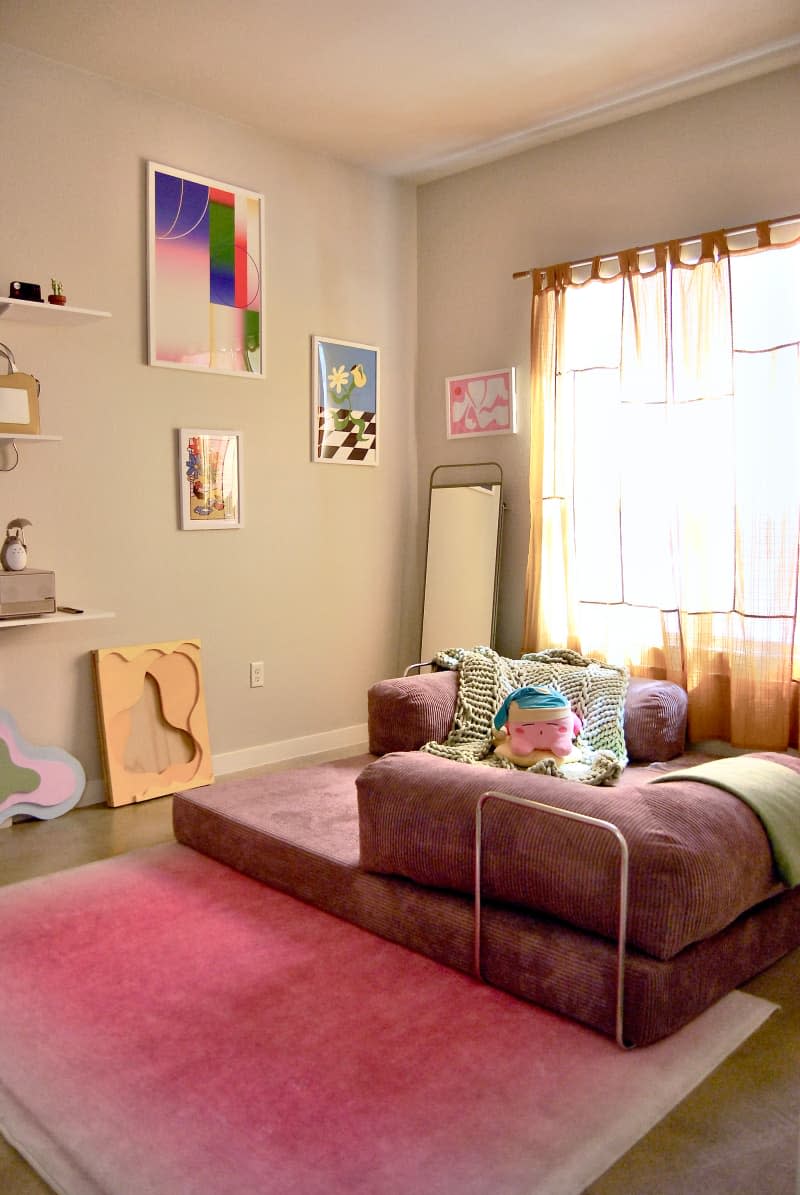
x=205 y=274
x=481 y=404
x=346 y=385
x=41 y=782
x=209 y=472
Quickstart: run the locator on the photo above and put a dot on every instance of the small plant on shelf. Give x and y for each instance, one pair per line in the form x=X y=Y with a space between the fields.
x=58 y=297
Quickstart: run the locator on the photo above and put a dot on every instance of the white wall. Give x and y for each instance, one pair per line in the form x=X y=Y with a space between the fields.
x=717 y=161
x=313 y=583
x=324 y=580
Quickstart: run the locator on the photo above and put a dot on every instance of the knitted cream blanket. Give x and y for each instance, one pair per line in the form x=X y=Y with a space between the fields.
x=595 y=691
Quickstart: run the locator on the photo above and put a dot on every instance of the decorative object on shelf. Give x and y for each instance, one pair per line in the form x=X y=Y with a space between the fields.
x=41 y=782
x=481 y=404
x=19 y=399
x=26 y=593
x=30 y=292
x=14 y=552
x=209 y=475
x=205 y=248
x=345 y=392
x=152 y=716
x=57 y=298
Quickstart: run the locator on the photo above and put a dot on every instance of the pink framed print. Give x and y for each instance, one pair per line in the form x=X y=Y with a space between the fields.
x=481 y=404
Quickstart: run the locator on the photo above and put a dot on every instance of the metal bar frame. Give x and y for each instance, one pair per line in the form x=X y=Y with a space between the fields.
x=422 y=664
x=622 y=930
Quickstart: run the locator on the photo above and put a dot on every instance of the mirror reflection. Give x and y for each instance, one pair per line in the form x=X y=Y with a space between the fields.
x=465 y=517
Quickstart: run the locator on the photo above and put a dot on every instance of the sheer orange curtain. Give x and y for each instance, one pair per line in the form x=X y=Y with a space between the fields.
x=665 y=471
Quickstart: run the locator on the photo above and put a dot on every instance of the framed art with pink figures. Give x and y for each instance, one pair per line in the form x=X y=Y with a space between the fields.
x=481 y=404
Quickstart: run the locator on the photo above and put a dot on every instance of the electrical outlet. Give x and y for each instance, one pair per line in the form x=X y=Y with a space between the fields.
x=256 y=674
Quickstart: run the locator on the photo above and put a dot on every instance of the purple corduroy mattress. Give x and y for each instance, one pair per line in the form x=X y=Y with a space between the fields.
x=298 y=830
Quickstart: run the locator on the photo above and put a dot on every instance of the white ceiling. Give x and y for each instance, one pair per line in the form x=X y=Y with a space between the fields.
x=415 y=88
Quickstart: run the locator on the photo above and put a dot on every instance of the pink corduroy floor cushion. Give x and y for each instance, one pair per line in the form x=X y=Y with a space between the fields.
x=389 y=843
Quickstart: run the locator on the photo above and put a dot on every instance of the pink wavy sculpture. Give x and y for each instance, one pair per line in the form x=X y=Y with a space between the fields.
x=41 y=782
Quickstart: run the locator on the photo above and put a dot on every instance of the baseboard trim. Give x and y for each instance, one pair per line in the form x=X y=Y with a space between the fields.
x=353 y=738
x=346 y=738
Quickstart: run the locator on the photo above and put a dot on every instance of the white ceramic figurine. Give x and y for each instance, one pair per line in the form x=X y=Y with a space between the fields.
x=14 y=552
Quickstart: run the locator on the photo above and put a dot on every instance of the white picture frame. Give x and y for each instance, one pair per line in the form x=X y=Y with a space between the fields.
x=209 y=479
x=205 y=274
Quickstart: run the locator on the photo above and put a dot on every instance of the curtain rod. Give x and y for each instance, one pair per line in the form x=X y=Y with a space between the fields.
x=698 y=236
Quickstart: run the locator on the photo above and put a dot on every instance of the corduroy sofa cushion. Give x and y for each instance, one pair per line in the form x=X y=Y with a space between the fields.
x=408 y=711
x=699 y=857
x=411 y=710
x=655 y=720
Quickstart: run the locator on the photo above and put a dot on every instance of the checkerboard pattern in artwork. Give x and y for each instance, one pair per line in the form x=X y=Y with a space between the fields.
x=345 y=446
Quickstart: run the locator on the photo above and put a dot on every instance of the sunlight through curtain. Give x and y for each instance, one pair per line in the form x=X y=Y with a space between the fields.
x=665 y=472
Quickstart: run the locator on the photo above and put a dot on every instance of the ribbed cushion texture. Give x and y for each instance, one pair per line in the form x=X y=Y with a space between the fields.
x=275 y=828
x=698 y=856
x=655 y=719
x=404 y=713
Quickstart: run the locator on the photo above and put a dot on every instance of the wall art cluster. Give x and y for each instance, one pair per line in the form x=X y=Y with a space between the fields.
x=205 y=254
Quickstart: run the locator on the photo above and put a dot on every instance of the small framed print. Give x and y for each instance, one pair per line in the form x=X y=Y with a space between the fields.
x=345 y=392
x=210 y=477
x=481 y=404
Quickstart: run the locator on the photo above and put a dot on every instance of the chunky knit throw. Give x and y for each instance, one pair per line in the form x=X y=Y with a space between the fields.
x=595 y=691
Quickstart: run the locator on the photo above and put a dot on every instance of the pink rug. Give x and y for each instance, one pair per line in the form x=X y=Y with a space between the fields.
x=170 y=1027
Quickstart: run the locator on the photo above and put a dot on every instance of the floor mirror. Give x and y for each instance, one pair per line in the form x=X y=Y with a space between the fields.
x=462 y=558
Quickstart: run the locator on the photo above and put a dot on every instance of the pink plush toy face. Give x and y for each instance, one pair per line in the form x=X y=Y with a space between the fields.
x=555 y=736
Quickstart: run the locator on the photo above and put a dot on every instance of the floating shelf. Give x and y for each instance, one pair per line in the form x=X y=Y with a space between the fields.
x=5 y=436
x=23 y=311
x=41 y=620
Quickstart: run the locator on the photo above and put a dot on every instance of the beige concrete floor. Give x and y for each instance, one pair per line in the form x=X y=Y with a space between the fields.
x=735 y=1134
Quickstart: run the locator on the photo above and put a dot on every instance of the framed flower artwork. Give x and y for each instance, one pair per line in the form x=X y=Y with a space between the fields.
x=345 y=394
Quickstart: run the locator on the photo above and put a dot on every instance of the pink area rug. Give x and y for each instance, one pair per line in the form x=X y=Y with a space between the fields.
x=170 y=1027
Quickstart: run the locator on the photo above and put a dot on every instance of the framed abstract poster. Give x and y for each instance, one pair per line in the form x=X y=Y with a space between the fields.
x=210 y=479
x=205 y=275
x=345 y=393
x=481 y=404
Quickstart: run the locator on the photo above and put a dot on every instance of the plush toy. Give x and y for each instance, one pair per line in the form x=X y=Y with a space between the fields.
x=535 y=723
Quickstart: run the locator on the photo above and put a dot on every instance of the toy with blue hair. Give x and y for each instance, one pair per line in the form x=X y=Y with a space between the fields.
x=536 y=723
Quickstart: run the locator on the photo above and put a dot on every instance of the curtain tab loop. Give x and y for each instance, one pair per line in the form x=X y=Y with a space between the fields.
x=708 y=247
x=713 y=246
x=544 y=279
x=764 y=233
